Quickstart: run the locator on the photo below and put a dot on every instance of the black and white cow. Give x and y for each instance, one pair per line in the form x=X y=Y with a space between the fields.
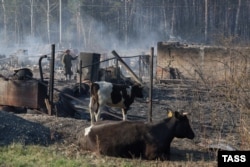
x=114 y=95
x=131 y=139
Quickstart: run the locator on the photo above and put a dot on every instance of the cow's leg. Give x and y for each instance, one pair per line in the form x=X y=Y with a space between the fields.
x=167 y=153
x=151 y=152
x=91 y=111
x=98 y=112
x=124 y=114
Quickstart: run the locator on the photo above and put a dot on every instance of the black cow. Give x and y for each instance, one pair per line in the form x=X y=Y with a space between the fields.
x=22 y=74
x=114 y=95
x=136 y=139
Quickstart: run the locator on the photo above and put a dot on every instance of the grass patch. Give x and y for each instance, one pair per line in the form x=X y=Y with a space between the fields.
x=18 y=155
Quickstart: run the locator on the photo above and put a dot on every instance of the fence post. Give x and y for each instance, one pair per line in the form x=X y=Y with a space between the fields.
x=80 y=76
x=151 y=85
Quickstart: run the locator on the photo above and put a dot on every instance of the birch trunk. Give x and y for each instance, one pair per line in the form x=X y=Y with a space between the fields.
x=4 y=21
x=237 y=18
x=165 y=19
x=126 y=22
x=31 y=17
x=206 y=11
x=48 y=21
x=16 y=27
x=78 y=24
x=172 y=21
x=60 y=23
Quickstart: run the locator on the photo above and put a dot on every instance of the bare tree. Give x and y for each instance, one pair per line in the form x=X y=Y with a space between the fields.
x=191 y=20
x=16 y=26
x=237 y=17
x=48 y=20
x=165 y=17
x=60 y=22
x=77 y=22
x=32 y=17
x=206 y=12
x=50 y=7
x=4 y=21
x=173 y=20
x=126 y=22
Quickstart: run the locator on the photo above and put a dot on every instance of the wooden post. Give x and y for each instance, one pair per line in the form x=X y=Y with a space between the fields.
x=150 y=85
x=80 y=76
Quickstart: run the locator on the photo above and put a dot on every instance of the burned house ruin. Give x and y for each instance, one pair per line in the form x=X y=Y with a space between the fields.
x=200 y=62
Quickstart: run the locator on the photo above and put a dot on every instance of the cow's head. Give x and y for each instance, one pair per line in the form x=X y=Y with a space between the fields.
x=137 y=90
x=183 y=128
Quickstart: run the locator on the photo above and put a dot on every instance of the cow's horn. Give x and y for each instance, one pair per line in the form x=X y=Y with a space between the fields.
x=185 y=113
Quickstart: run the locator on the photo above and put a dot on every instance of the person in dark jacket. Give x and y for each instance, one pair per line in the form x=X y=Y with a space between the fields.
x=66 y=61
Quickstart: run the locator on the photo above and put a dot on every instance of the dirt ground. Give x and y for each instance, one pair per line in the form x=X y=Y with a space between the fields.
x=215 y=121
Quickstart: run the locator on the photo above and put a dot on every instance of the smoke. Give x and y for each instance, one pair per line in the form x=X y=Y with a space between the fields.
x=98 y=37
x=88 y=34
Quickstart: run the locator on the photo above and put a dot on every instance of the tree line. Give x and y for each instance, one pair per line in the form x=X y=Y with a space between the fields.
x=94 y=24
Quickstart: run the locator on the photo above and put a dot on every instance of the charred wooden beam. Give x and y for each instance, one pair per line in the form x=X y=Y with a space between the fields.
x=134 y=76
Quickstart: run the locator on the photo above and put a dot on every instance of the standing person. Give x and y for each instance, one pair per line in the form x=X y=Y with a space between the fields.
x=66 y=61
x=75 y=64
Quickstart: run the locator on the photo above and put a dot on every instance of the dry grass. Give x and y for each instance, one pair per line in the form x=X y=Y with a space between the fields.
x=229 y=105
x=219 y=105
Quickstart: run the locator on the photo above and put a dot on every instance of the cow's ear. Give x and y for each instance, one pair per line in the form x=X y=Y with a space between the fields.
x=177 y=114
x=138 y=85
x=170 y=114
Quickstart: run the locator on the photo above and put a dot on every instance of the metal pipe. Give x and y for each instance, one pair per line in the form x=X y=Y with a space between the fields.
x=151 y=85
x=40 y=66
x=80 y=75
x=51 y=83
x=140 y=68
x=127 y=67
x=117 y=73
